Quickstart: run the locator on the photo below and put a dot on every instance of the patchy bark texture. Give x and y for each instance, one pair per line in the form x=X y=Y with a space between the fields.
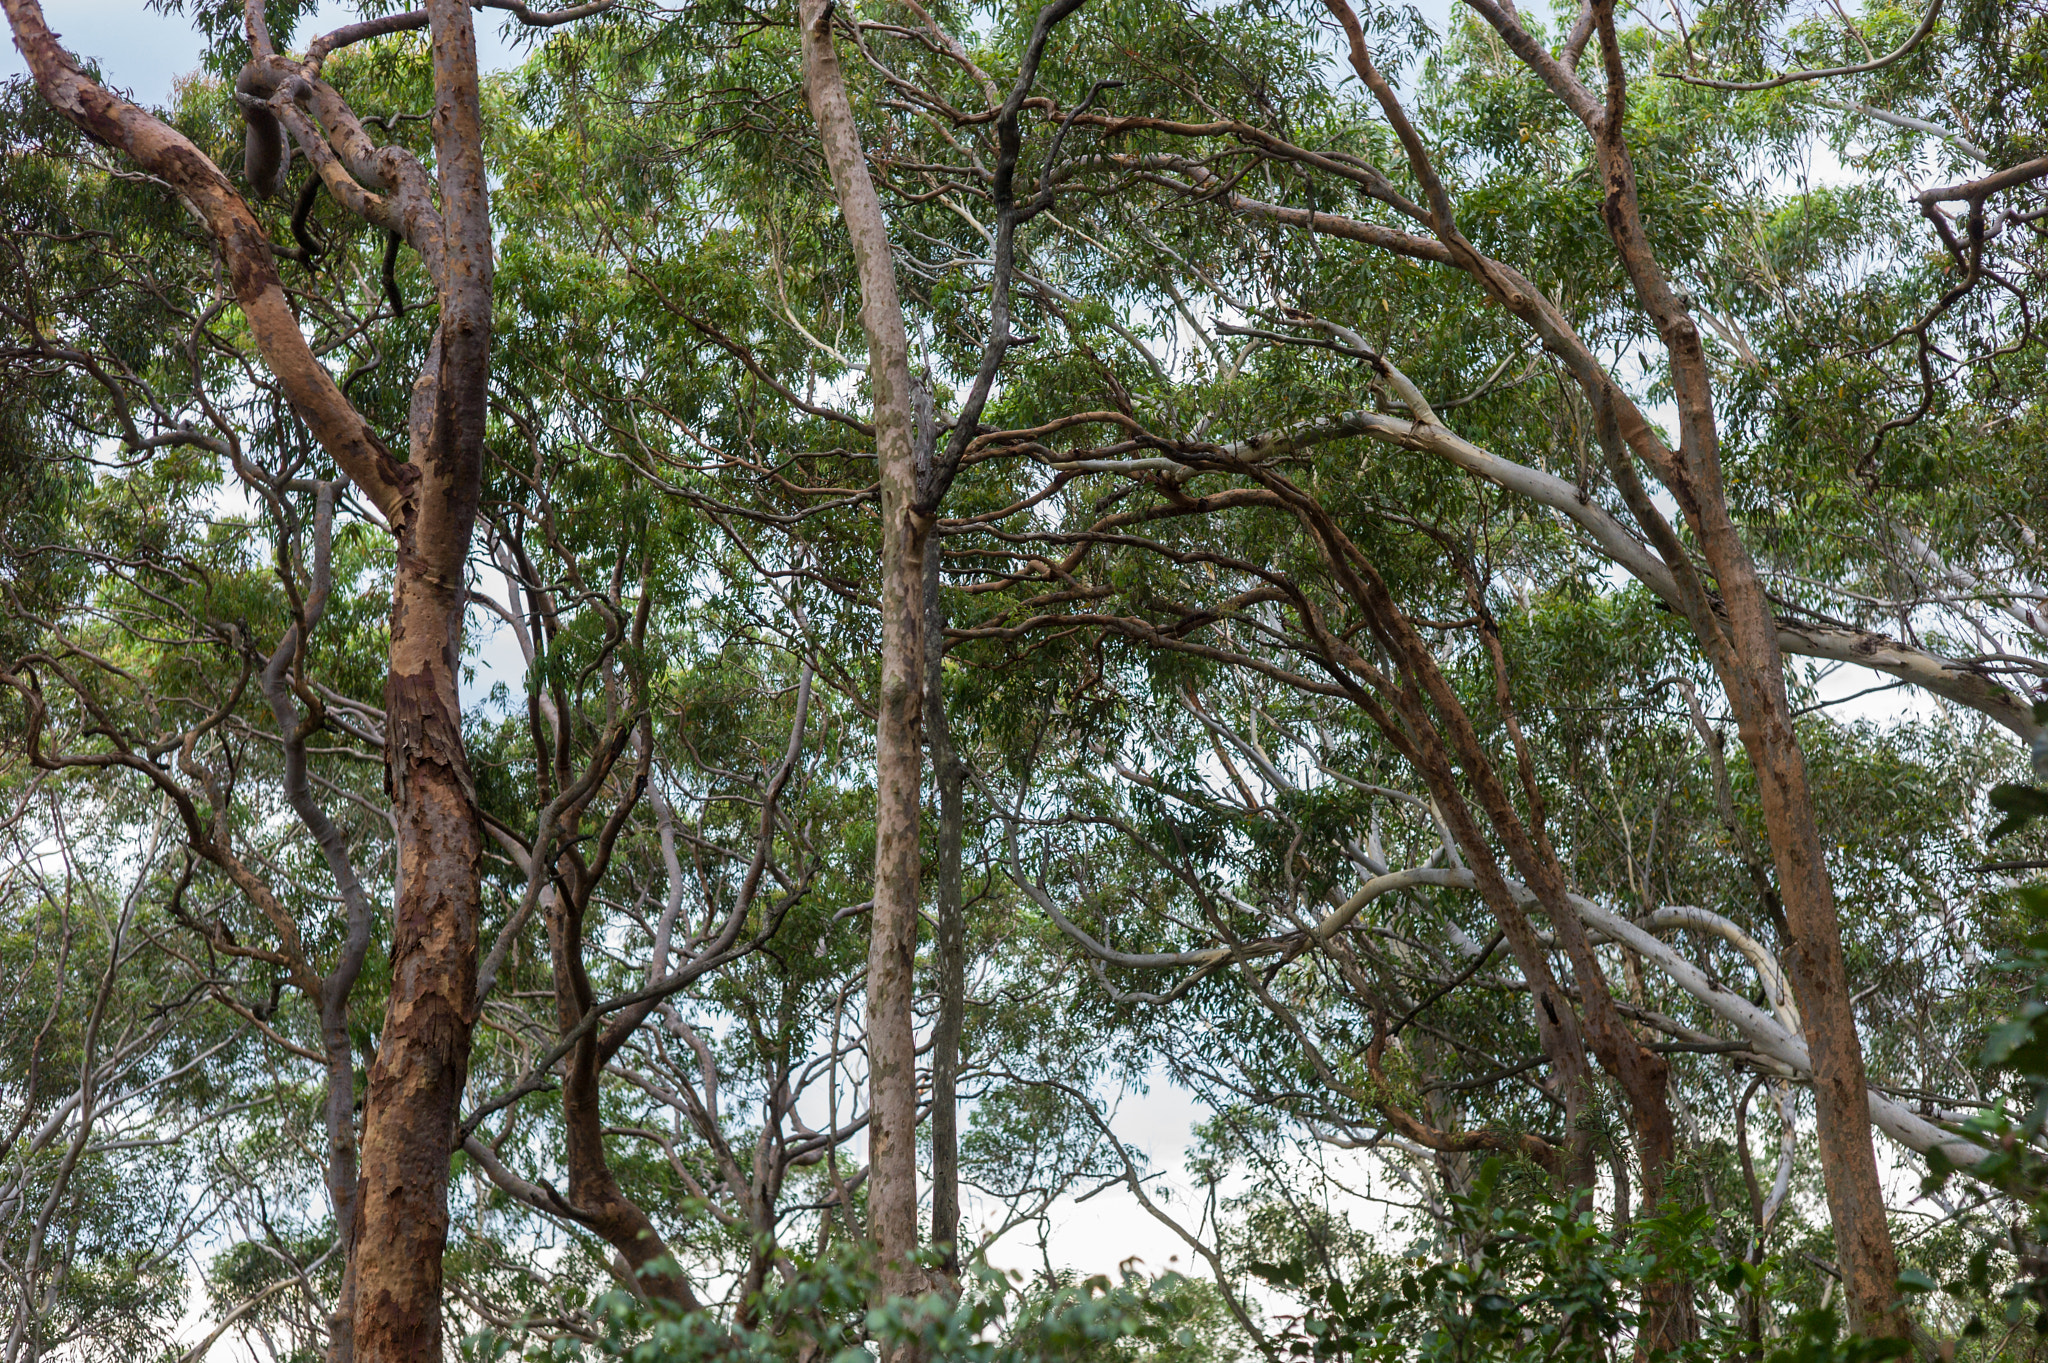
x=423 y=1061
x=396 y=1212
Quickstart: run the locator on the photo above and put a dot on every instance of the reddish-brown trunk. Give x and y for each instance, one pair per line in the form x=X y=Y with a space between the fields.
x=422 y=1060
x=399 y=1215
x=423 y=1054
x=1744 y=649
x=1841 y=1098
x=1744 y=644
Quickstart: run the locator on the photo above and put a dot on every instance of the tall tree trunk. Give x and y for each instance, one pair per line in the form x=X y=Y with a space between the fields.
x=899 y=757
x=409 y=1116
x=1743 y=646
x=416 y=1084
x=400 y=1217
x=950 y=939
x=1841 y=1098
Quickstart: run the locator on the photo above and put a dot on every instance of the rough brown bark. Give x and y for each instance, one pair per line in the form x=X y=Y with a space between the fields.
x=399 y=1207
x=423 y=1057
x=899 y=757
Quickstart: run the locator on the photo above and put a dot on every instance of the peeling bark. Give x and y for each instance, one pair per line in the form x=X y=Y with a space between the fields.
x=397 y=1212
x=422 y=1061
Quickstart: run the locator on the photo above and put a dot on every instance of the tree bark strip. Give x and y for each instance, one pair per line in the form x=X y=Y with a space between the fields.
x=949 y=965
x=422 y=1061
x=899 y=757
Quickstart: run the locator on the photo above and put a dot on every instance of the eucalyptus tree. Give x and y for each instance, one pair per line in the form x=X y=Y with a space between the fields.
x=1201 y=190
x=906 y=513
x=1236 y=483
x=671 y=786
x=394 y=1210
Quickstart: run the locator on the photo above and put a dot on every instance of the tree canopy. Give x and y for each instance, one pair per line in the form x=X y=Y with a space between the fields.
x=633 y=687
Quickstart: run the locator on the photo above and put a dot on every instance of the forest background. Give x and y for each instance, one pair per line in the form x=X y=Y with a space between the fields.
x=648 y=656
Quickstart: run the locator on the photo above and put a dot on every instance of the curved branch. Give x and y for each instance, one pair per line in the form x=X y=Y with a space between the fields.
x=252 y=268
x=350 y=34
x=1794 y=77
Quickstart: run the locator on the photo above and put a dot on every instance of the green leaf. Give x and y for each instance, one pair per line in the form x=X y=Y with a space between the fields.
x=2021 y=805
x=2005 y=1040
x=1913 y=1280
